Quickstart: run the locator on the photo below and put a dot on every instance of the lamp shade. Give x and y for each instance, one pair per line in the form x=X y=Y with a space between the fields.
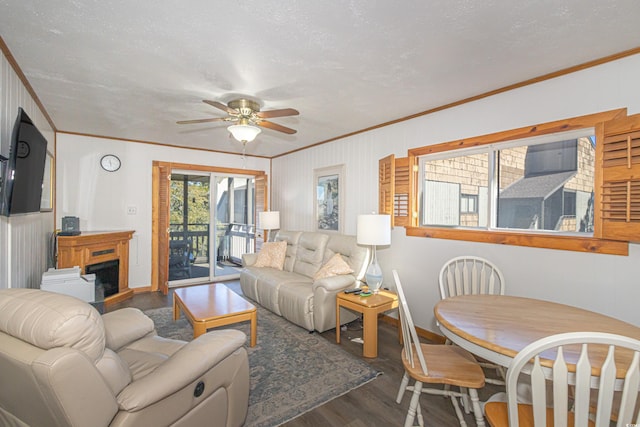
x=269 y=220
x=244 y=132
x=373 y=229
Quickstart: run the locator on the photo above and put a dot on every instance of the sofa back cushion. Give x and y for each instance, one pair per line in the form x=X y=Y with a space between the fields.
x=48 y=320
x=310 y=253
x=50 y=345
x=356 y=256
x=292 y=238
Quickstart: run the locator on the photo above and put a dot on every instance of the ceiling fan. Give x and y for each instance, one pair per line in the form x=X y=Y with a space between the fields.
x=246 y=116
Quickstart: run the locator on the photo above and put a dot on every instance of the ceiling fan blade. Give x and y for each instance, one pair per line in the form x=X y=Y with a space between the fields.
x=277 y=113
x=275 y=126
x=221 y=106
x=214 y=119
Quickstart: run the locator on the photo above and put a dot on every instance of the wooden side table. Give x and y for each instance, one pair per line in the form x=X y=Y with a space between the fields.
x=370 y=307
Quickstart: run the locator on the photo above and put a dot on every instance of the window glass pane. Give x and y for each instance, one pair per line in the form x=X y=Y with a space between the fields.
x=455 y=191
x=468 y=203
x=547 y=186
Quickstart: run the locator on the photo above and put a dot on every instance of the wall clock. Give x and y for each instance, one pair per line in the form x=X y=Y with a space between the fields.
x=110 y=163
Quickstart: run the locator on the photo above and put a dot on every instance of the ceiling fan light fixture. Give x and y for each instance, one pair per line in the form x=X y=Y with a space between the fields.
x=244 y=132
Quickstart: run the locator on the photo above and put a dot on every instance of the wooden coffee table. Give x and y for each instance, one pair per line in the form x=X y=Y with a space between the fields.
x=212 y=305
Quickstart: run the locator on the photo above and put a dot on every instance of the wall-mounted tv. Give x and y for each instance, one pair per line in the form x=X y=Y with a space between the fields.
x=21 y=186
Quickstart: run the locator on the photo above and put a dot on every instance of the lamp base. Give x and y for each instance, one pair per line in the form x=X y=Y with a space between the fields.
x=373 y=275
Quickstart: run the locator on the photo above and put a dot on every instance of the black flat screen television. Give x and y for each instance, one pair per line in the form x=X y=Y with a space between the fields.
x=21 y=188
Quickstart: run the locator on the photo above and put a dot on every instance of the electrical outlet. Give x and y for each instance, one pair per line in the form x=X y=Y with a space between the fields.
x=132 y=210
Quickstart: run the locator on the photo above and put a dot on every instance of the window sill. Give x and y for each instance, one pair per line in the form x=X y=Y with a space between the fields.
x=566 y=243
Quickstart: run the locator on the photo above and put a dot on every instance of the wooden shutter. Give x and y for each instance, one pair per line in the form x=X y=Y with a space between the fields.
x=161 y=177
x=394 y=189
x=402 y=193
x=386 y=184
x=262 y=204
x=617 y=192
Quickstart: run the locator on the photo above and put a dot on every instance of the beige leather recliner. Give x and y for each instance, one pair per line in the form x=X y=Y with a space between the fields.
x=63 y=364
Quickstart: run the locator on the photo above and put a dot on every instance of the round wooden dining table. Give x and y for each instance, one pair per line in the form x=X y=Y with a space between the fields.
x=497 y=327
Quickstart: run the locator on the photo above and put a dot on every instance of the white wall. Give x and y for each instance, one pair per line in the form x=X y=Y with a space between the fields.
x=100 y=199
x=23 y=238
x=603 y=283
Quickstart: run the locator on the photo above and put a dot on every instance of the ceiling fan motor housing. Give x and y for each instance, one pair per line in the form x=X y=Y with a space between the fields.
x=246 y=107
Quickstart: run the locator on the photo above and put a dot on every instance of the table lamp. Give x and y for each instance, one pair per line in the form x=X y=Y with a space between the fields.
x=373 y=230
x=269 y=220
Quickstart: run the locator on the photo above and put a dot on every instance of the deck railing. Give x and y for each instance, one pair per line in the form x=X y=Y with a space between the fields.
x=198 y=234
x=233 y=240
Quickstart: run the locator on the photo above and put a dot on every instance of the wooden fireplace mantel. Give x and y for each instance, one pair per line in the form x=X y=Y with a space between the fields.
x=92 y=247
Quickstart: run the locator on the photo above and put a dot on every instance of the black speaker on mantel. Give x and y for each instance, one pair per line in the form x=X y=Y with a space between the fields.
x=70 y=226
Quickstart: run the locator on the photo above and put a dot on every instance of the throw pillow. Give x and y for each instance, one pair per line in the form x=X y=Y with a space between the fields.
x=272 y=255
x=335 y=266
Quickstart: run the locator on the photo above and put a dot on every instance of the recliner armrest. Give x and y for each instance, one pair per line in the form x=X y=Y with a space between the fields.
x=335 y=283
x=124 y=326
x=186 y=365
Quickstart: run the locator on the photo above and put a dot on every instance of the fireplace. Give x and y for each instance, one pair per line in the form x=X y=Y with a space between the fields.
x=107 y=275
x=103 y=253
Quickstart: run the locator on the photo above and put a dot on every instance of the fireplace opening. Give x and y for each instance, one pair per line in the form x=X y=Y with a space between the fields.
x=107 y=274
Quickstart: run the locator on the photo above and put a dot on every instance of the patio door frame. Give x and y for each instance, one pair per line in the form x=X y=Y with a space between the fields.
x=161 y=177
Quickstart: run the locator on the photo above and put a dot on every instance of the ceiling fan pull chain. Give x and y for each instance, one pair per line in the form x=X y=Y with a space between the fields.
x=244 y=158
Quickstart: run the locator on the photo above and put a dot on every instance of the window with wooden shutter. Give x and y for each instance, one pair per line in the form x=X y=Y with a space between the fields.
x=618 y=179
x=394 y=189
x=614 y=208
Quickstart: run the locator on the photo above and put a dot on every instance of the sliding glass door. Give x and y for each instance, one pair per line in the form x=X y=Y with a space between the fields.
x=211 y=224
x=234 y=219
x=189 y=226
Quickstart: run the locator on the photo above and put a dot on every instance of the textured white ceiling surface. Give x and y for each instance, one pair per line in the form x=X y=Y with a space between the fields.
x=131 y=69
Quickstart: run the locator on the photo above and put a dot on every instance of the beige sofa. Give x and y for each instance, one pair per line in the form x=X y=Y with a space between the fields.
x=63 y=364
x=292 y=292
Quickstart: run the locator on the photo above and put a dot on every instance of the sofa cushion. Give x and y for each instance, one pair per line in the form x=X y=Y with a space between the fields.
x=353 y=254
x=310 y=254
x=124 y=326
x=292 y=238
x=114 y=370
x=269 y=283
x=145 y=355
x=336 y=265
x=295 y=301
x=272 y=255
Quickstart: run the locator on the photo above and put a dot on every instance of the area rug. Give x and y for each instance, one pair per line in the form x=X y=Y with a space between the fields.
x=291 y=370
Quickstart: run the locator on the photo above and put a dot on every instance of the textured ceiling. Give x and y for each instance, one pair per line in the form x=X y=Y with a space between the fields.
x=131 y=69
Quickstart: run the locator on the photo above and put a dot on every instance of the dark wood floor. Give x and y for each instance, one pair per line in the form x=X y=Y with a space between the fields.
x=372 y=404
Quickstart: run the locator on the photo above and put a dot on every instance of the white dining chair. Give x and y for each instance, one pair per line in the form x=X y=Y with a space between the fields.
x=435 y=364
x=472 y=275
x=583 y=394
